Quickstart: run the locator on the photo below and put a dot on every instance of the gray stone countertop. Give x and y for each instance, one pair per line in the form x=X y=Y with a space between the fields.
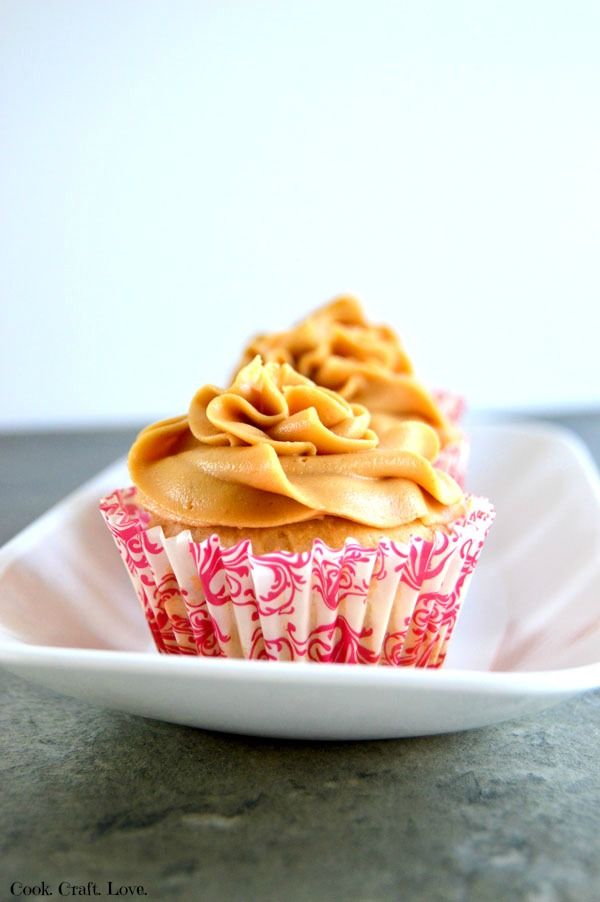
x=504 y=813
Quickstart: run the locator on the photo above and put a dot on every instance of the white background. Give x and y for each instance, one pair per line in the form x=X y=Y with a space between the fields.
x=175 y=176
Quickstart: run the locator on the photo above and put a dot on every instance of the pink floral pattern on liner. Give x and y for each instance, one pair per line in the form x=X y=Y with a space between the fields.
x=453 y=406
x=454 y=458
x=395 y=604
x=127 y=523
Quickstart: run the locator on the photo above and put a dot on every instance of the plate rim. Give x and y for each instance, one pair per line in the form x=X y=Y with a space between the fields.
x=537 y=682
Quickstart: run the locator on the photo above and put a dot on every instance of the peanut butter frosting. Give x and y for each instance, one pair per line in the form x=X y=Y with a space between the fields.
x=338 y=348
x=275 y=449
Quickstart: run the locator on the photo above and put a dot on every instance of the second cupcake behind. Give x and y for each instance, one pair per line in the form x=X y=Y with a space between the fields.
x=338 y=348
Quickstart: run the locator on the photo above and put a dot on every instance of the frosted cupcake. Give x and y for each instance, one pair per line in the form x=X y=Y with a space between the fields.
x=338 y=348
x=272 y=522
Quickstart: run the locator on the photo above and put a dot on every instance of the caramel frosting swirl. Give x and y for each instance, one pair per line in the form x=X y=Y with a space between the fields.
x=274 y=448
x=275 y=405
x=338 y=348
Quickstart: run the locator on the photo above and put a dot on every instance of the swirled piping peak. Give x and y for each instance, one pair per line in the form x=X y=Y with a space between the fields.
x=273 y=404
x=275 y=449
x=335 y=346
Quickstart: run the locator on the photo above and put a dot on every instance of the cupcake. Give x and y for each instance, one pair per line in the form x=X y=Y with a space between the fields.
x=272 y=521
x=338 y=348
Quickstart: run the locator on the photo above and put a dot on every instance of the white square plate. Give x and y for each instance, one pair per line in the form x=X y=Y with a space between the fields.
x=529 y=634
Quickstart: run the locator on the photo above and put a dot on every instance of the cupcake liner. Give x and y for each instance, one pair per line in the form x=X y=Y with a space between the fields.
x=396 y=604
x=454 y=458
x=453 y=406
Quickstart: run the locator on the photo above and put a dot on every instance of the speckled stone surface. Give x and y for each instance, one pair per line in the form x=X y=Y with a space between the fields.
x=505 y=813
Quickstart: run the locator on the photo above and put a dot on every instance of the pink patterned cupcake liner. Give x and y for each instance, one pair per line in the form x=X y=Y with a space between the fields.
x=396 y=604
x=454 y=458
x=453 y=406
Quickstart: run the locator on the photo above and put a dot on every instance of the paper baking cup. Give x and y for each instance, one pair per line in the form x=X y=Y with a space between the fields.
x=453 y=406
x=396 y=604
x=454 y=458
